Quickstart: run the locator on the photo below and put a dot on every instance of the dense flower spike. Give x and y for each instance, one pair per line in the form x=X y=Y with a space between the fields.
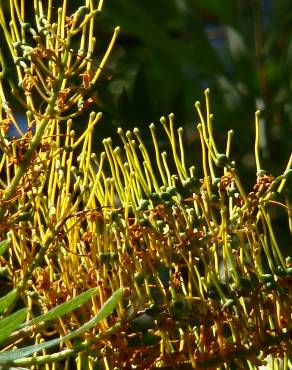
x=206 y=282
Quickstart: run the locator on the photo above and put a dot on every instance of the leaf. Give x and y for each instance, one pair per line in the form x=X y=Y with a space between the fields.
x=3 y=246
x=11 y=323
x=7 y=300
x=63 y=308
x=104 y=312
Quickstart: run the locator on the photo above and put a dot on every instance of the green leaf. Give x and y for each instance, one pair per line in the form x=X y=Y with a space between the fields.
x=63 y=308
x=7 y=300
x=3 y=246
x=104 y=312
x=11 y=323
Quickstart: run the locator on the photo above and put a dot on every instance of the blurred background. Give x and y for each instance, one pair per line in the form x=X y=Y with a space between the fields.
x=169 y=51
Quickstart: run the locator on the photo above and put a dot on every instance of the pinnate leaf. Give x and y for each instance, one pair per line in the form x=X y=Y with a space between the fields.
x=11 y=323
x=105 y=311
x=63 y=308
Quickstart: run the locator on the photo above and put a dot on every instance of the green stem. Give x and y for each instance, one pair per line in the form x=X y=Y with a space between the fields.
x=23 y=166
